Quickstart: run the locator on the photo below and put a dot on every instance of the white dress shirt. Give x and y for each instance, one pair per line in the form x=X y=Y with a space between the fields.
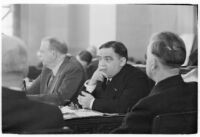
x=56 y=68
x=90 y=89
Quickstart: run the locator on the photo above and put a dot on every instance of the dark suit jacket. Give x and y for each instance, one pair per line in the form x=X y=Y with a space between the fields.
x=125 y=89
x=168 y=96
x=19 y=114
x=68 y=81
x=33 y=72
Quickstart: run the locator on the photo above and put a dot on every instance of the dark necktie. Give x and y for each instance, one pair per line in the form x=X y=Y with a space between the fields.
x=108 y=81
x=105 y=83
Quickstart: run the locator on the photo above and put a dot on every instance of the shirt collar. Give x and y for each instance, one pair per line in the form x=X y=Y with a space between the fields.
x=109 y=79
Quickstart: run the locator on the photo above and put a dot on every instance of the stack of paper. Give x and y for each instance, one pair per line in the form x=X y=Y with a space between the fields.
x=69 y=113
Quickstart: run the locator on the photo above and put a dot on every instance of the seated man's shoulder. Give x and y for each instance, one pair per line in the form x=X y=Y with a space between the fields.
x=44 y=108
x=44 y=115
x=70 y=65
x=134 y=71
x=73 y=64
x=45 y=71
x=46 y=112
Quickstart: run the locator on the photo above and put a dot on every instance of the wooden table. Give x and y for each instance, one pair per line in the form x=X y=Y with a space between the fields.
x=95 y=125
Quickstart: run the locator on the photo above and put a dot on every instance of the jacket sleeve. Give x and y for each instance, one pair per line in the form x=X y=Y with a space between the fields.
x=67 y=89
x=139 y=120
x=135 y=88
x=71 y=84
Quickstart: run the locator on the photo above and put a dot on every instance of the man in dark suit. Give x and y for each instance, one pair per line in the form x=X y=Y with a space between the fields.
x=84 y=58
x=165 y=54
x=61 y=77
x=115 y=86
x=19 y=114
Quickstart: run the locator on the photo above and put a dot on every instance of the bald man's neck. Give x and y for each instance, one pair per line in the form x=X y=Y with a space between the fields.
x=12 y=81
x=166 y=74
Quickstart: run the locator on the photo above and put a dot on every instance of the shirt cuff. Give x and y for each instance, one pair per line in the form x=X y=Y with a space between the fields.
x=91 y=103
x=89 y=88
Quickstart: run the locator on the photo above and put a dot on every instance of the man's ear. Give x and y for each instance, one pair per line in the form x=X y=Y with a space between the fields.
x=122 y=61
x=54 y=53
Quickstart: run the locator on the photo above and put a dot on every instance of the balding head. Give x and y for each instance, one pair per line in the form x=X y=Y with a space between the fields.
x=56 y=44
x=165 y=55
x=169 y=48
x=14 y=57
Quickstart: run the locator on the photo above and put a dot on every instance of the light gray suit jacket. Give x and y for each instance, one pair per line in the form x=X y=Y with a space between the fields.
x=67 y=83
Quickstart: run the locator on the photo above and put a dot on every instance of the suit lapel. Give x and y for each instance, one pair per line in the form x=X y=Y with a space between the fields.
x=45 y=78
x=52 y=86
x=58 y=76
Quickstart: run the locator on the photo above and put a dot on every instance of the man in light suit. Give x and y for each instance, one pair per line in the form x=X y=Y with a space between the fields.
x=19 y=114
x=61 y=77
x=115 y=86
x=165 y=54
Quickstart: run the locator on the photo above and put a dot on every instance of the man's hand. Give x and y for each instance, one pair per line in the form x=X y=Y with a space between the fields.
x=98 y=75
x=85 y=99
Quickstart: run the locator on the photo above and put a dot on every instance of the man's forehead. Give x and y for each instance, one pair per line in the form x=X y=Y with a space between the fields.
x=106 y=52
x=45 y=42
x=44 y=45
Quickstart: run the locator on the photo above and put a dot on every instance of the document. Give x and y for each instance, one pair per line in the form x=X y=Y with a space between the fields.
x=70 y=113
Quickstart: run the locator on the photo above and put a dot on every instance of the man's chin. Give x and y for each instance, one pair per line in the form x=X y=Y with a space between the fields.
x=109 y=76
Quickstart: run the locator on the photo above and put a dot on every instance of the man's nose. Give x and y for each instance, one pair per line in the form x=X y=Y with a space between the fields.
x=102 y=65
x=102 y=62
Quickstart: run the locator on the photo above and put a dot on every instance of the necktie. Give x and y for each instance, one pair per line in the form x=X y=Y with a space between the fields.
x=105 y=83
x=108 y=81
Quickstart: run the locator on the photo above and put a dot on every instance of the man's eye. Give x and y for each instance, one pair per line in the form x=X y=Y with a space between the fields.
x=108 y=59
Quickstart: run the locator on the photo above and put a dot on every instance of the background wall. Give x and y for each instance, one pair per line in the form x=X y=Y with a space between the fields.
x=67 y=22
x=136 y=23
x=102 y=24
x=84 y=25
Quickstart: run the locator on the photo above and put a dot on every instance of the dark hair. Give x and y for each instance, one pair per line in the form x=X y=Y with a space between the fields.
x=118 y=48
x=57 y=45
x=169 y=48
x=85 y=56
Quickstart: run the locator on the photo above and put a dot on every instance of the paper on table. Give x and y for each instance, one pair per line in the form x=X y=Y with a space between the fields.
x=69 y=113
x=67 y=109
